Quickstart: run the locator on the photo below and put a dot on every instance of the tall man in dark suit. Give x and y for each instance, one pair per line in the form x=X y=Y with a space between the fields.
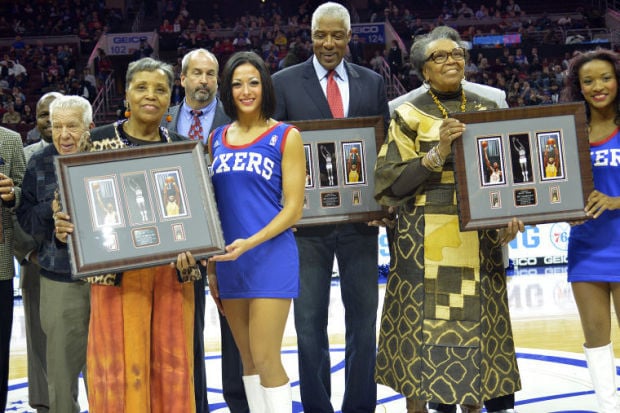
x=301 y=94
x=200 y=113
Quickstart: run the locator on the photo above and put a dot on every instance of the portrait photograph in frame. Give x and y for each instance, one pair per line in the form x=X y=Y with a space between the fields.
x=112 y=248
x=139 y=198
x=491 y=160
x=550 y=155
x=344 y=140
x=104 y=202
x=309 y=168
x=171 y=193
x=354 y=169
x=525 y=195
x=328 y=172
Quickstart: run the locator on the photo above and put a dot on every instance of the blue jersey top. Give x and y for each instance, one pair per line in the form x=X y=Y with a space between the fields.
x=248 y=189
x=593 y=247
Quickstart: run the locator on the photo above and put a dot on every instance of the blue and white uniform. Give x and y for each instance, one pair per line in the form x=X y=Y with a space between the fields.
x=248 y=189
x=593 y=252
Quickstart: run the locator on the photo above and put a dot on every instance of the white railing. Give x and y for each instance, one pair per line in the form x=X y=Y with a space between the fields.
x=101 y=104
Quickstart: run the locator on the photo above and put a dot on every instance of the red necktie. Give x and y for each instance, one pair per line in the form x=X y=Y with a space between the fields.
x=333 y=96
x=195 y=131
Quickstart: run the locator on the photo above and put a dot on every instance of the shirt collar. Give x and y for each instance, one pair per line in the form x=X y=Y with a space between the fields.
x=322 y=72
x=207 y=109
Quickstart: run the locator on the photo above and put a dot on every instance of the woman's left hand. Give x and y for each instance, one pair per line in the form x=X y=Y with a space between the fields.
x=449 y=130
x=510 y=232
x=186 y=263
x=233 y=250
x=598 y=203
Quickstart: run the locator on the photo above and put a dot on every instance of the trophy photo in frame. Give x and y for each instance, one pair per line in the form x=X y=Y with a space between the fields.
x=133 y=207
x=533 y=163
x=340 y=157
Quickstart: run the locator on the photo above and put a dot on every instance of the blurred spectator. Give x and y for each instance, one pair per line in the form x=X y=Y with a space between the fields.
x=102 y=65
x=356 y=48
x=395 y=58
x=376 y=63
x=11 y=117
x=241 y=42
x=166 y=27
x=465 y=11
x=143 y=50
x=28 y=115
x=18 y=104
x=178 y=93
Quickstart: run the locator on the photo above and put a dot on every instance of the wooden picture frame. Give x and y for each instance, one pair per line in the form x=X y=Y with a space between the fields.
x=138 y=207
x=539 y=157
x=340 y=171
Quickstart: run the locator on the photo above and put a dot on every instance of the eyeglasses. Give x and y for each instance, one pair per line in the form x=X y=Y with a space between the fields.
x=441 y=56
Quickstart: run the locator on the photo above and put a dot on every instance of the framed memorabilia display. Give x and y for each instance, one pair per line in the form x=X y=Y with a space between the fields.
x=532 y=163
x=138 y=207
x=340 y=160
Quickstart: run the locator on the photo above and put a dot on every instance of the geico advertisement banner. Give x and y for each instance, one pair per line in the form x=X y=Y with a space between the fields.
x=543 y=244
x=127 y=43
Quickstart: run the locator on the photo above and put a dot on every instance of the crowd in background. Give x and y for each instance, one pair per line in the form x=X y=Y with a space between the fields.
x=280 y=33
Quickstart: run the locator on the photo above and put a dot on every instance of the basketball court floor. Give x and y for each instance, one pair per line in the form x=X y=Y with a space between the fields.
x=546 y=330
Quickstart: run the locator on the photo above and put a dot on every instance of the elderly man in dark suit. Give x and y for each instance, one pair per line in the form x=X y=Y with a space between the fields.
x=200 y=113
x=12 y=168
x=302 y=94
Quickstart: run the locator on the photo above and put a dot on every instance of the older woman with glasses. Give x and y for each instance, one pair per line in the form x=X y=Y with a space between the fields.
x=445 y=332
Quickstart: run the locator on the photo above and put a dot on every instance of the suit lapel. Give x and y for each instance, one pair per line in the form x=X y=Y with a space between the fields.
x=313 y=90
x=355 y=90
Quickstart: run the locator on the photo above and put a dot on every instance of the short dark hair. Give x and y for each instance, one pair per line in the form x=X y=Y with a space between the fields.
x=268 y=105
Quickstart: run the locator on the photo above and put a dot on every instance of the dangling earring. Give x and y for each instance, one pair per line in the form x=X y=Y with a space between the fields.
x=127 y=110
x=168 y=116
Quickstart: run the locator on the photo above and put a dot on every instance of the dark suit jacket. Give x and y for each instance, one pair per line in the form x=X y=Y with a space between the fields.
x=221 y=118
x=299 y=96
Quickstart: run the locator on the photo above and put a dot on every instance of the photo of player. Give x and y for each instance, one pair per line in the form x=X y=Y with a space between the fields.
x=354 y=169
x=550 y=150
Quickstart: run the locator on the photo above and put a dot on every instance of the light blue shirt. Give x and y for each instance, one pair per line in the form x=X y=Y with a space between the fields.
x=341 y=79
x=206 y=119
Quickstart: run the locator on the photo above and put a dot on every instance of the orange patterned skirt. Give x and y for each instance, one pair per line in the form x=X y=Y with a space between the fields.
x=140 y=344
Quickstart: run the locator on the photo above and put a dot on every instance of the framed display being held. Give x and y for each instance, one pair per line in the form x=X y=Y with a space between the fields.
x=340 y=161
x=138 y=207
x=531 y=162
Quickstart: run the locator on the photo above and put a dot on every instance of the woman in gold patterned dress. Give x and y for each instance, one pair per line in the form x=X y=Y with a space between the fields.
x=445 y=329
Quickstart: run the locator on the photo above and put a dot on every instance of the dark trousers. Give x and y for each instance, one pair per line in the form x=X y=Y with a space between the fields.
x=232 y=369
x=6 y=325
x=356 y=253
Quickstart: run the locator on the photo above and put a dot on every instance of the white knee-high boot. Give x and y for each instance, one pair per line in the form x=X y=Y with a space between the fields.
x=279 y=399
x=602 y=368
x=254 y=394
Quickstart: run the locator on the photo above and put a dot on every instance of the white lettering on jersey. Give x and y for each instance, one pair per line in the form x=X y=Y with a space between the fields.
x=223 y=165
x=268 y=168
x=244 y=161
x=606 y=157
x=254 y=163
x=240 y=162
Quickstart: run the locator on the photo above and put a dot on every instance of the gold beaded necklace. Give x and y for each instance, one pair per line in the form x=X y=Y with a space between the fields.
x=442 y=108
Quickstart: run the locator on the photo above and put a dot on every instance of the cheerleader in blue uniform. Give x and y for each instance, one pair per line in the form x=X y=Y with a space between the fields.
x=259 y=176
x=593 y=252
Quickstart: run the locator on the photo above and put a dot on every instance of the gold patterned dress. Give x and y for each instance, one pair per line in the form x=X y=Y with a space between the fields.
x=445 y=331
